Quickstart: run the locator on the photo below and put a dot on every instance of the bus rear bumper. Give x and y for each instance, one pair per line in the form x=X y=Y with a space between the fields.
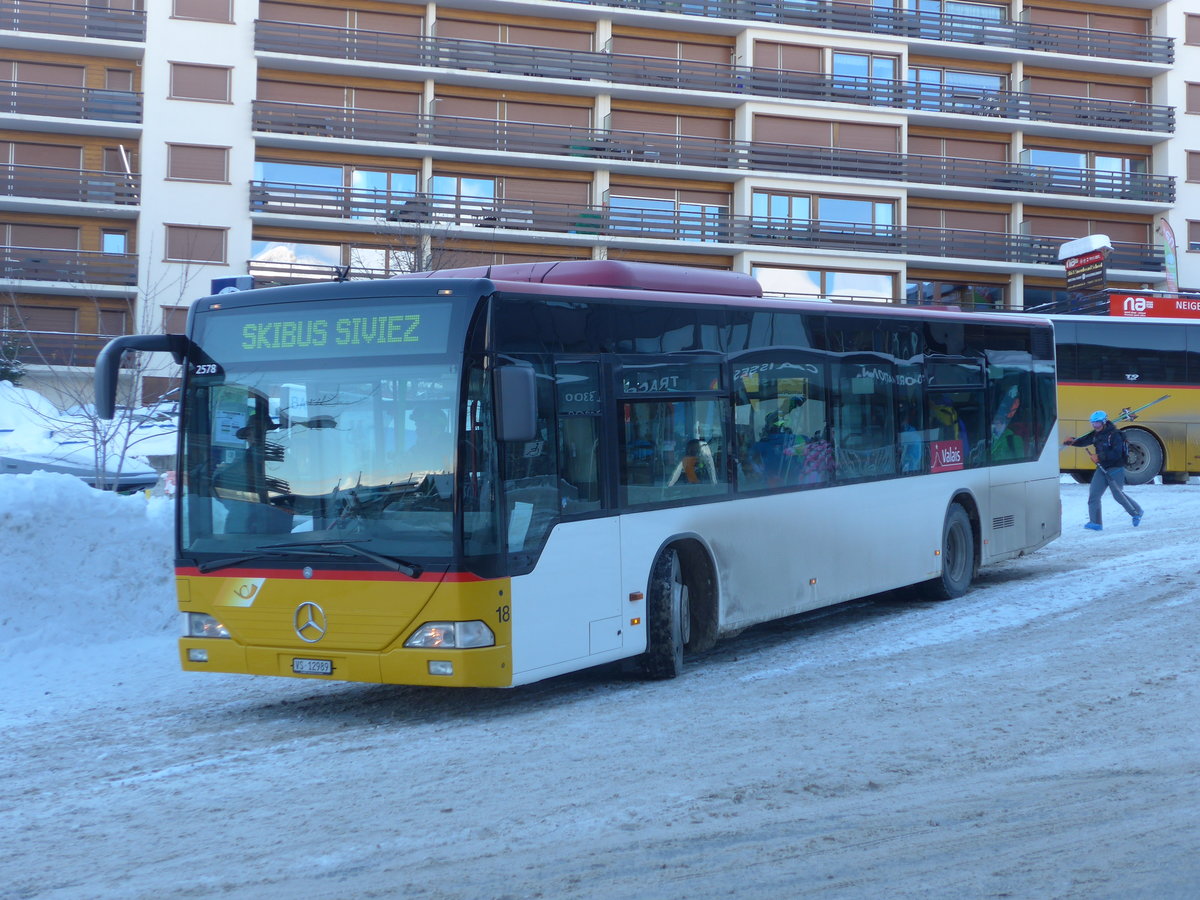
x=485 y=667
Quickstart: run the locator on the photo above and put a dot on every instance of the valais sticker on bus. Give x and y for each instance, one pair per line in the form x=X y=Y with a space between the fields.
x=945 y=456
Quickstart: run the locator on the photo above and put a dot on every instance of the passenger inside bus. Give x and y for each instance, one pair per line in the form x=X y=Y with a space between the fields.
x=696 y=466
x=1007 y=444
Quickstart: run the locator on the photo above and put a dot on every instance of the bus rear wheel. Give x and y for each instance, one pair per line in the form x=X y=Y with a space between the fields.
x=1145 y=456
x=669 y=617
x=958 y=557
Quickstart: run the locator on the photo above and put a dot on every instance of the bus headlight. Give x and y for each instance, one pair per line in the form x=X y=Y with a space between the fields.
x=456 y=635
x=203 y=625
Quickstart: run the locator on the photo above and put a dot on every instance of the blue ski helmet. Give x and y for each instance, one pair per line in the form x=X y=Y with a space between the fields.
x=1098 y=416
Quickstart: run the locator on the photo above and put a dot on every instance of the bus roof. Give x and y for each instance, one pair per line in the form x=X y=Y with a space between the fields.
x=649 y=281
x=612 y=273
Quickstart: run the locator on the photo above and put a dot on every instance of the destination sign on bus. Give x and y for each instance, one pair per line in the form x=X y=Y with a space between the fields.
x=345 y=330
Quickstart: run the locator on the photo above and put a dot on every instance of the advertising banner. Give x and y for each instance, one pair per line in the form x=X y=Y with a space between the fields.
x=1140 y=306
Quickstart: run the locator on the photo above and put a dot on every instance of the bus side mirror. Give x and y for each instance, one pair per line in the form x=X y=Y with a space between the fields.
x=516 y=403
x=108 y=363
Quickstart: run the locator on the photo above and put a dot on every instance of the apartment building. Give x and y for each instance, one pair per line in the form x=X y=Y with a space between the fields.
x=930 y=151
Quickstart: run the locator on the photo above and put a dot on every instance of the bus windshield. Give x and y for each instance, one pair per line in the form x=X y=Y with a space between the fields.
x=293 y=447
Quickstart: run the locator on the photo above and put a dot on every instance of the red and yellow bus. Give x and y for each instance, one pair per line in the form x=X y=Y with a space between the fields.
x=1112 y=363
x=492 y=476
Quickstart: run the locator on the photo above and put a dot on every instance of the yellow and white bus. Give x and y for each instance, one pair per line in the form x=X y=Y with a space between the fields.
x=487 y=477
x=1114 y=363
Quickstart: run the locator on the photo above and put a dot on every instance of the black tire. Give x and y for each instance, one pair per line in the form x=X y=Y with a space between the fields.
x=1082 y=476
x=1145 y=456
x=669 y=618
x=958 y=558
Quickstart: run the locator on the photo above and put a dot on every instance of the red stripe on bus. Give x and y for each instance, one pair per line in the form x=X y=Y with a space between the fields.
x=323 y=575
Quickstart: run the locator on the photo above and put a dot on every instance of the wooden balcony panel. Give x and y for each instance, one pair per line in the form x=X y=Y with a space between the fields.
x=75 y=20
x=55 y=348
x=410 y=213
x=673 y=150
x=71 y=266
x=685 y=75
x=77 y=185
x=28 y=99
x=909 y=24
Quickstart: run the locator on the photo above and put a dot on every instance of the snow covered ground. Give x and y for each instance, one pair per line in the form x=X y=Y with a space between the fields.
x=1037 y=738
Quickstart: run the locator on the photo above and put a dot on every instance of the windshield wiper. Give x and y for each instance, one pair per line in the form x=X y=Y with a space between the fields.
x=267 y=553
x=315 y=548
x=412 y=570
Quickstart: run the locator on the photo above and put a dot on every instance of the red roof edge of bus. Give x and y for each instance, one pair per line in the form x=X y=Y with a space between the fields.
x=612 y=273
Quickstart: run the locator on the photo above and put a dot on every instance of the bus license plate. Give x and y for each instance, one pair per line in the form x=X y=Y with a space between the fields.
x=312 y=666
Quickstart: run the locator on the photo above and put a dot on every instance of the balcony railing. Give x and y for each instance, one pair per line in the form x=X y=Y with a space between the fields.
x=28 y=99
x=54 y=348
x=345 y=43
x=400 y=213
x=75 y=19
x=910 y=24
x=676 y=150
x=71 y=266
x=76 y=185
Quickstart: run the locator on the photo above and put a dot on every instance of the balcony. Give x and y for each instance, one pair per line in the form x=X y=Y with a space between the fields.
x=70 y=266
x=54 y=348
x=74 y=185
x=434 y=214
x=29 y=99
x=74 y=19
x=682 y=75
x=910 y=24
x=638 y=149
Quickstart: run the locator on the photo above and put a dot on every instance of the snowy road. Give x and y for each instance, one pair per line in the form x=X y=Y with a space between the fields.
x=1036 y=738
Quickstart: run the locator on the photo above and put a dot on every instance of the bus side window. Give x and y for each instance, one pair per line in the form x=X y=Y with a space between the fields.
x=577 y=385
x=530 y=470
x=779 y=414
x=673 y=449
x=864 y=419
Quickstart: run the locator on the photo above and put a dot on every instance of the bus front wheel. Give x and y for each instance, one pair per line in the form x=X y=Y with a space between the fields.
x=669 y=618
x=1145 y=456
x=958 y=557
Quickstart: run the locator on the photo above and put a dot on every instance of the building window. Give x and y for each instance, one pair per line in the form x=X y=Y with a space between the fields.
x=118 y=80
x=962 y=295
x=191 y=162
x=193 y=82
x=274 y=260
x=114 y=242
x=958 y=8
x=1193 y=235
x=949 y=89
x=1191 y=29
x=195 y=243
x=791 y=282
x=203 y=10
x=860 y=69
x=456 y=194
x=1086 y=159
x=174 y=319
x=1193 y=98
x=826 y=213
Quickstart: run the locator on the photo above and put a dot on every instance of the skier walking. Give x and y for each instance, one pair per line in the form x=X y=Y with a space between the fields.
x=1109 y=457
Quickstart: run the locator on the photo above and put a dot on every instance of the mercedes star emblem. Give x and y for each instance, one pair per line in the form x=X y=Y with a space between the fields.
x=310 y=622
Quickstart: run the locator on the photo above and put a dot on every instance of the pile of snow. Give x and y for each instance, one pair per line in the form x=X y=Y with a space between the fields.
x=78 y=565
x=36 y=435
